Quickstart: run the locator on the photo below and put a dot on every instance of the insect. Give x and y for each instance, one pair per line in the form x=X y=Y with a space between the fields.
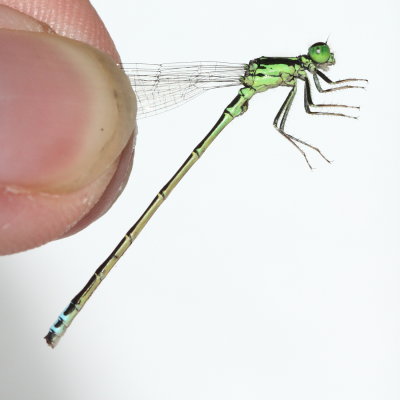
x=163 y=86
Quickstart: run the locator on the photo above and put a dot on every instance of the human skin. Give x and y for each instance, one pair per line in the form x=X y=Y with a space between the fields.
x=67 y=121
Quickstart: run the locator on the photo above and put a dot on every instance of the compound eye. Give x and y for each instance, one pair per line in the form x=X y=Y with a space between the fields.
x=319 y=53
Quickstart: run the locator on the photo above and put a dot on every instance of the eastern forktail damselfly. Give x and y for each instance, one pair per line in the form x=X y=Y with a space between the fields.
x=163 y=86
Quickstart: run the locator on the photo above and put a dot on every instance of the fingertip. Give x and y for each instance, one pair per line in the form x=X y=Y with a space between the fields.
x=70 y=116
x=63 y=128
x=30 y=219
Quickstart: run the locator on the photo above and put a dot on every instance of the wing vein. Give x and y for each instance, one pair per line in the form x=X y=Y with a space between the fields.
x=161 y=87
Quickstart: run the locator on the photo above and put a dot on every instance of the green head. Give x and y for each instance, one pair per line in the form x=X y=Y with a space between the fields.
x=320 y=54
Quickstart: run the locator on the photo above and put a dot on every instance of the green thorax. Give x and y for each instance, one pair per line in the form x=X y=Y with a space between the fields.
x=268 y=72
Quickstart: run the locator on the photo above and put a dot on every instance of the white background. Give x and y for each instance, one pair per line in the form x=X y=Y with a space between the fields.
x=258 y=279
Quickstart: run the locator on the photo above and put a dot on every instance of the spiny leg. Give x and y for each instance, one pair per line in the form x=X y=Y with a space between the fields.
x=311 y=103
x=285 y=108
x=308 y=102
x=290 y=137
x=327 y=80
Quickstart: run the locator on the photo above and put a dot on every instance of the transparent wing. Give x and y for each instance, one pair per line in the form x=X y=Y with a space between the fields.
x=161 y=87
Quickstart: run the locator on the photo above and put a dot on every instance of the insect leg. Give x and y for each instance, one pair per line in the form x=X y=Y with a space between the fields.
x=308 y=102
x=285 y=108
x=327 y=80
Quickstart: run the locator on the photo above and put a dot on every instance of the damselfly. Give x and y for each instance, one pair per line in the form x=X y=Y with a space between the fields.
x=163 y=86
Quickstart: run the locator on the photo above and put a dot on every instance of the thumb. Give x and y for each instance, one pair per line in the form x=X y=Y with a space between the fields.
x=65 y=118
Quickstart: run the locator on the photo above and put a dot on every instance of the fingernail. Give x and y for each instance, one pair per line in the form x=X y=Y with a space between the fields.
x=66 y=112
